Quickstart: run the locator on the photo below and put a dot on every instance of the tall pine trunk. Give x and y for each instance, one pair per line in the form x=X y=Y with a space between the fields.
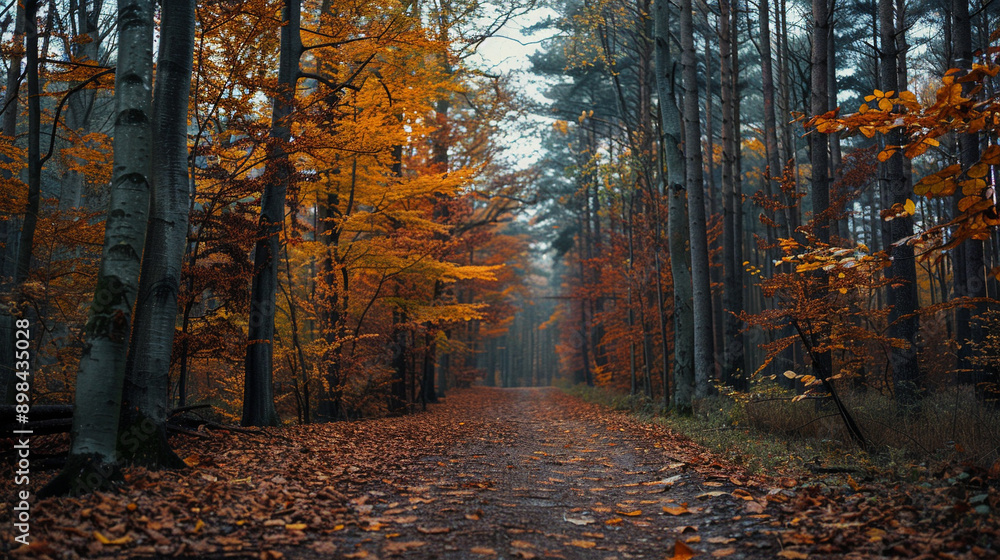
x=704 y=362
x=92 y=462
x=147 y=376
x=969 y=264
x=896 y=190
x=677 y=220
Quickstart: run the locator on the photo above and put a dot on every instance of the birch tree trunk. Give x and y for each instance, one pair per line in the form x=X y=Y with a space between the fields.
x=92 y=462
x=143 y=437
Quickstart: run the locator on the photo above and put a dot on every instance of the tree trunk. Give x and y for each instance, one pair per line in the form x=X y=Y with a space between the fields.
x=11 y=109
x=677 y=220
x=258 y=396
x=702 y=304
x=92 y=462
x=969 y=268
x=30 y=222
x=896 y=190
x=80 y=105
x=732 y=199
x=147 y=374
x=8 y=379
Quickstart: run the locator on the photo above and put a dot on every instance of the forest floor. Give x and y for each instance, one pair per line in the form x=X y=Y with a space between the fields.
x=500 y=473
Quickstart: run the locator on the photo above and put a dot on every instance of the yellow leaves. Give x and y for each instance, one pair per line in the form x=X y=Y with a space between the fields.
x=920 y=147
x=631 y=513
x=973 y=187
x=991 y=155
x=899 y=210
x=561 y=126
x=968 y=202
x=296 y=527
x=885 y=154
x=978 y=170
x=884 y=105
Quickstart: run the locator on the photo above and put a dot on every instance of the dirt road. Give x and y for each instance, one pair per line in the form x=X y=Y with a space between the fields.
x=490 y=473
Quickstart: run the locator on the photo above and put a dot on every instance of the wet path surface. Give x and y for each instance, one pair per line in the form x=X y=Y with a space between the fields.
x=533 y=473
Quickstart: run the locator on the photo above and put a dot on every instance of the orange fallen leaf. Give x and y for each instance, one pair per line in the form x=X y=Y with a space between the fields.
x=358 y=554
x=295 y=527
x=483 y=550
x=521 y=544
x=793 y=554
x=694 y=539
x=633 y=513
x=675 y=510
x=614 y=521
x=719 y=540
x=581 y=543
x=590 y=535
x=433 y=530
x=395 y=547
x=722 y=552
x=115 y=542
x=682 y=551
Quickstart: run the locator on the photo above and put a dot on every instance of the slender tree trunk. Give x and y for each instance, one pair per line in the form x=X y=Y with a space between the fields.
x=11 y=109
x=80 y=106
x=703 y=349
x=838 y=227
x=774 y=166
x=896 y=190
x=732 y=198
x=147 y=374
x=8 y=379
x=92 y=462
x=26 y=242
x=677 y=220
x=818 y=143
x=258 y=396
x=970 y=267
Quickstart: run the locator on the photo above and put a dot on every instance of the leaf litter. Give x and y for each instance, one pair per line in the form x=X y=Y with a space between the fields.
x=524 y=473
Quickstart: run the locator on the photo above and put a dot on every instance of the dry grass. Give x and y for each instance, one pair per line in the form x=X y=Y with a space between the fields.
x=766 y=430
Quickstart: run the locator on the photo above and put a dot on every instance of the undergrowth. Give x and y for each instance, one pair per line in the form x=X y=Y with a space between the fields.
x=770 y=433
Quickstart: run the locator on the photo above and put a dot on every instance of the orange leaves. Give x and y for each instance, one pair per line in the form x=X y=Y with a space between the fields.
x=682 y=551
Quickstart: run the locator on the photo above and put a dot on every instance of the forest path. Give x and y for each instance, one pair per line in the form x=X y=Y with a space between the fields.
x=534 y=473
x=489 y=473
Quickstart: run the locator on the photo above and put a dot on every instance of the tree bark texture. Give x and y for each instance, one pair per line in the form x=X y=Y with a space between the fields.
x=147 y=374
